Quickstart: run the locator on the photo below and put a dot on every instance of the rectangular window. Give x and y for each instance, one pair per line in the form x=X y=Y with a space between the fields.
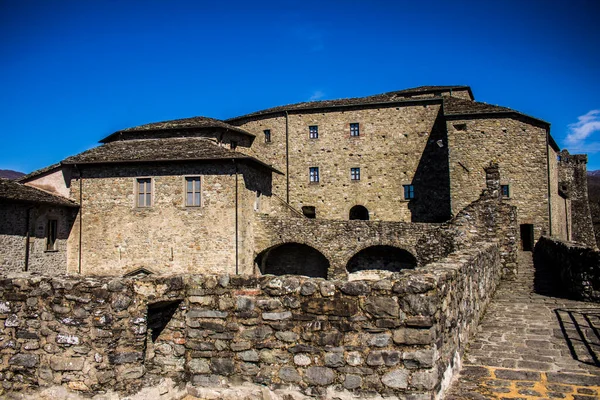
x=314 y=174
x=267 y=133
x=505 y=191
x=354 y=129
x=409 y=192
x=355 y=174
x=51 y=235
x=144 y=192
x=313 y=132
x=192 y=189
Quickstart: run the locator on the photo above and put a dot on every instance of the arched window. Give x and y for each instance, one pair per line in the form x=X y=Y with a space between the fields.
x=359 y=212
x=387 y=258
x=293 y=259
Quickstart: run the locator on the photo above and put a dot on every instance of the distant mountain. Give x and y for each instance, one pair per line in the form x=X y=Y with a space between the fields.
x=594 y=173
x=10 y=174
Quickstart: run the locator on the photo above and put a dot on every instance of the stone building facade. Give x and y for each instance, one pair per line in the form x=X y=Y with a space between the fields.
x=415 y=156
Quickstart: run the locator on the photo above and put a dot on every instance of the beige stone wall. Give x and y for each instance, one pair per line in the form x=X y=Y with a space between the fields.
x=118 y=237
x=561 y=218
x=13 y=232
x=388 y=152
x=521 y=152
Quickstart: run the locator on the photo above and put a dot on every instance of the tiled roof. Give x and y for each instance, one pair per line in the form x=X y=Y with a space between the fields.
x=16 y=192
x=458 y=106
x=389 y=97
x=184 y=123
x=166 y=149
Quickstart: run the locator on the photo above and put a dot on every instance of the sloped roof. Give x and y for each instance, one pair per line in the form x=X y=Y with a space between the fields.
x=16 y=192
x=38 y=172
x=389 y=97
x=153 y=150
x=457 y=106
x=183 y=123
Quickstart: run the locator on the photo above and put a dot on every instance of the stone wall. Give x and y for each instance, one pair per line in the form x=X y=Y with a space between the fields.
x=398 y=145
x=403 y=335
x=576 y=267
x=13 y=238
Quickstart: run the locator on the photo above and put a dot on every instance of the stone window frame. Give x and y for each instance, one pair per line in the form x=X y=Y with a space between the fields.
x=185 y=191
x=313 y=175
x=354 y=129
x=51 y=235
x=313 y=131
x=136 y=192
x=267 y=133
x=507 y=191
x=355 y=174
x=409 y=191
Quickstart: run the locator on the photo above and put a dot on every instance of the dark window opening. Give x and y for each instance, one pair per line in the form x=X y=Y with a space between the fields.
x=51 y=234
x=355 y=174
x=309 y=212
x=294 y=259
x=267 y=135
x=505 y=191
x=527 y=237
x=409 y=192
x=460 y=127
x=359 y=213
x=159 y=316
x=387 y=258
x=313 y=132
x=354 y=129
x=314 y=174
x=233 y=144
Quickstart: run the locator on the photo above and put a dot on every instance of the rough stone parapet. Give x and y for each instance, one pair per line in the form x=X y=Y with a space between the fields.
x=577 y=267
x=397 y=336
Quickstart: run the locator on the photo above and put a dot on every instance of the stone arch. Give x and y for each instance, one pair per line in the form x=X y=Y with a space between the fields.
x=381 y=257
x=293 y=258
x=359 y=212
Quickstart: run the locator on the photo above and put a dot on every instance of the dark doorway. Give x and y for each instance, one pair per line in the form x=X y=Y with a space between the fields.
x=309 y=212
x=359 y=212
x=387 y=258
x=293 y=259
x=159 y=316
x=527 y=237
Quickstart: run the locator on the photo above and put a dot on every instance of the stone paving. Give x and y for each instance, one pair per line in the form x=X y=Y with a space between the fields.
x=532 y=345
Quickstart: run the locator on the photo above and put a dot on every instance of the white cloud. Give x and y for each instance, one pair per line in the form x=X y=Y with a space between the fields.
x=317 y=95
x=583 y=128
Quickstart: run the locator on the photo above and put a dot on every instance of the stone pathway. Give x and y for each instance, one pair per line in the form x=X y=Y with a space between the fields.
x=532 y=345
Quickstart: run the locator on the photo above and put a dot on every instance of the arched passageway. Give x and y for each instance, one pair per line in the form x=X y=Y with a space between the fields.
x=387 y=258
x=359 y=212
x=293 y=259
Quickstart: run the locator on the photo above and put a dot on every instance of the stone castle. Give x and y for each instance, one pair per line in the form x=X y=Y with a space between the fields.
x=349 y=243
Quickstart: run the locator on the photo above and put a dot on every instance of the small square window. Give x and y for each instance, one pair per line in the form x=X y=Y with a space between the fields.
x=409 y=192
x=354 y=129
x=233 y=144
x=313 y=132
x=267 y=133
x=314 y=174
x=51 y=235
x=505 y=191
x=144 y=192
x=192 y=189
x=355 y=174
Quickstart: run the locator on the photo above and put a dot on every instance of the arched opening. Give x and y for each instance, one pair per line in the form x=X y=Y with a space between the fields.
x=359 y=212
x=293 y=259
x=387 y=258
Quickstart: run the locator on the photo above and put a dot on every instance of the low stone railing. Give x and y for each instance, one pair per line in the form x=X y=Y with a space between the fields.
x=394 y=336
x=577 y=267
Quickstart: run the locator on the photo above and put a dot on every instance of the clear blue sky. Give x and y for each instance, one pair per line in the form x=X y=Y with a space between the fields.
x=72 y=72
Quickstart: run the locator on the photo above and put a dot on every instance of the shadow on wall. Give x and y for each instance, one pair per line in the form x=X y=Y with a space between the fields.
x=432 y=179
x=385 y=258
x=293 y=259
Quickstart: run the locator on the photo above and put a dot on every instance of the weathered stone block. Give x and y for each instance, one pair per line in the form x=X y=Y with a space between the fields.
x=24 y=360
x=396 y=379
x=58 y=363
x=320 y=376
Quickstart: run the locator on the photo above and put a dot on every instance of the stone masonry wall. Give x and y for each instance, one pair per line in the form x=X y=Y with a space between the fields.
x=403 y=335
x=408 y=137
x=576 y=267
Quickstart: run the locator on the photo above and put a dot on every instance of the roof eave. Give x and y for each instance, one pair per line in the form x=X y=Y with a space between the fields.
x=494 y=113
x=220 y=128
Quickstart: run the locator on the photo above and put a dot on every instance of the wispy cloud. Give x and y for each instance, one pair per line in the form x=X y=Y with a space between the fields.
x=583 y=128
x=317 y=95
